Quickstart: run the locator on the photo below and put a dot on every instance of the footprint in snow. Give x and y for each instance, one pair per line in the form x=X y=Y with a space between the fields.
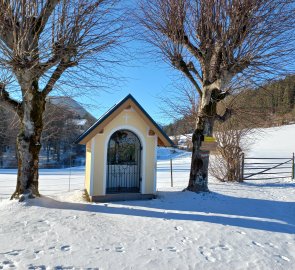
x=208 y=256
x=210 y=259
x=172 y=249
x=39 y=251
x=271 y=245
x=220 y=247
x=65 y=248
x=61 y=267
x=7 y=264
x=14 y=252
x=41 y=220
x=284 y=258
x=186 y=240
x=38 y=267
x=257 y=244
x=120 y=249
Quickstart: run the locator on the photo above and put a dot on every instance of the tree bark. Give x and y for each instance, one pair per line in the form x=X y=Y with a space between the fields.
x=198 y=181
x=28 y=144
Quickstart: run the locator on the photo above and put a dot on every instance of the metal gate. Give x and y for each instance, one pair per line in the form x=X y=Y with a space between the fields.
x=124 y=163
x=267 y=168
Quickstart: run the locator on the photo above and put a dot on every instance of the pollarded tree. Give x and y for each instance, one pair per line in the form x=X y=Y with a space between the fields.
x=40 y=41
x=214 y=43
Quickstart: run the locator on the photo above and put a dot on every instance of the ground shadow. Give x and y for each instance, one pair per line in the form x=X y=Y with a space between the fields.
x=274 y=216
x=272 y=185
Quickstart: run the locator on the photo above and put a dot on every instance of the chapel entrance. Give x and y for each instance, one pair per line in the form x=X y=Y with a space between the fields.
x=123 y=163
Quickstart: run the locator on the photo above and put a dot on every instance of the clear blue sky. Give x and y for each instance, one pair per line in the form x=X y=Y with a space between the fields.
x=145 y=79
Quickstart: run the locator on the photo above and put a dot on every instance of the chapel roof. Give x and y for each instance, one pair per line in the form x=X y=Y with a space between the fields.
x=129 y=100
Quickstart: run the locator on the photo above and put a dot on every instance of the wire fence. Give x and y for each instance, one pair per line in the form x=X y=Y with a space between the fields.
x=172 y=171
x=53 y=181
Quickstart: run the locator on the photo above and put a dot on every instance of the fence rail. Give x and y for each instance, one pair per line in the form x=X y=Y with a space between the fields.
x=277 y=168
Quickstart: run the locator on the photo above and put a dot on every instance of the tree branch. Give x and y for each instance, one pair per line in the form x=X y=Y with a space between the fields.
x=56 y=75
x=44 y=15
x=195 y=51
x=4 y=96
x=227 y=114
x=6 y=23
x=49 y=63
x=179 y=63
x=192 y=68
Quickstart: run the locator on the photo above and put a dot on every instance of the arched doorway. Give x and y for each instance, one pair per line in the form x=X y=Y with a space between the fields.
x=123 y=162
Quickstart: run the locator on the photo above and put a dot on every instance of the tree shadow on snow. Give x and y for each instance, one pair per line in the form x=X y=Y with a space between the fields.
x=267 y=215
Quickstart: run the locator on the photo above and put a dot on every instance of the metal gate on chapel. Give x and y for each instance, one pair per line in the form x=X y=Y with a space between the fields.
x=124 y=163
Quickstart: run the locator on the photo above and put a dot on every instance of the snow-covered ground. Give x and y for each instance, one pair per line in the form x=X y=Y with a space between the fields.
x=274 y=142
x=235 y=226
x=51 y=181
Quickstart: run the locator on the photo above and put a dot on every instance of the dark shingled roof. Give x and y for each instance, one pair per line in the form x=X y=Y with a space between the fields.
x=112 y=110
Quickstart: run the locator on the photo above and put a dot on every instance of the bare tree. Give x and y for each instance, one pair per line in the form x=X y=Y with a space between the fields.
x=214 y=43
x=182 y=108
x=41 y=41
x=180 y=103
x=234 y=138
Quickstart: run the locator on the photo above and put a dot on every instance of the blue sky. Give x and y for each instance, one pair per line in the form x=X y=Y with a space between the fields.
x=146 y=80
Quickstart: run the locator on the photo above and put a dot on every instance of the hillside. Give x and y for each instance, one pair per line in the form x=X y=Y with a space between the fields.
x=272 y=104
x=274 y=142
x=70 y=104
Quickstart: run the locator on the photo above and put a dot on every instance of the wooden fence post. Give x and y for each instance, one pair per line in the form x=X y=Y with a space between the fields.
x=293 y=167
x=242 y=169
x=70 y=173
x=171 y=172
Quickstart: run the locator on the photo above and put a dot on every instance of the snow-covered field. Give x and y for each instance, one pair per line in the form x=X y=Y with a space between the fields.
x=235 y=226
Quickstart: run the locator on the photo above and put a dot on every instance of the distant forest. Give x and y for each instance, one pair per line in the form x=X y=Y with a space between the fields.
x=273 y=104
x=64 y=120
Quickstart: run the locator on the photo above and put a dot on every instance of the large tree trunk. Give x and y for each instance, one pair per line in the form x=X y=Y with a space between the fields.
x=198 y=180
x=28 y=144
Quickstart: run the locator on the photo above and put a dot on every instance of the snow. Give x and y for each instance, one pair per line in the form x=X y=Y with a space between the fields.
x=277 y=142
x=51 y=181
x=235 y=226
